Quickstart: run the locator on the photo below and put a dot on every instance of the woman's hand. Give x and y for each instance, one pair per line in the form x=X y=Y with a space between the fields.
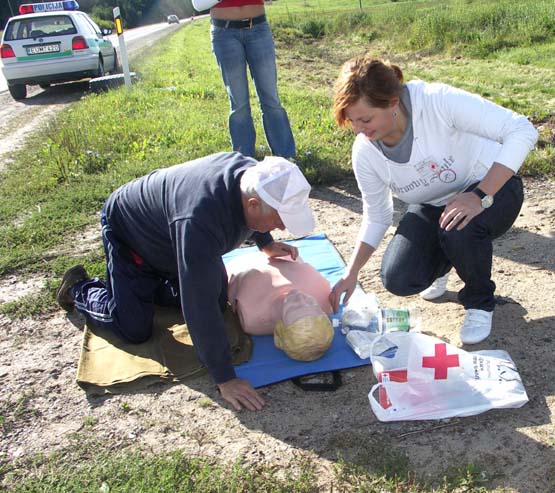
x=279 y=249
x=460 y=210
x=345 y=285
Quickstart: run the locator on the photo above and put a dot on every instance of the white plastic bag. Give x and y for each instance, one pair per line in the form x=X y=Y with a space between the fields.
x=359 y=312
x=421 y=377
x=361 y=342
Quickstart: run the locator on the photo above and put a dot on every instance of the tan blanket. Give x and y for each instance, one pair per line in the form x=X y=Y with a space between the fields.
x=111 y=365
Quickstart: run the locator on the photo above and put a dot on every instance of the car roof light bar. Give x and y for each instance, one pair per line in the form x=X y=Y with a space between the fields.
x=35 y=8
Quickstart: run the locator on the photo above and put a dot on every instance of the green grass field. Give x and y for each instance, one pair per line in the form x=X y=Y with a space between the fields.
x=178 y=111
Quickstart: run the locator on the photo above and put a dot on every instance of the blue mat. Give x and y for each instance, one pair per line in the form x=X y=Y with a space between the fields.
x=270 y=365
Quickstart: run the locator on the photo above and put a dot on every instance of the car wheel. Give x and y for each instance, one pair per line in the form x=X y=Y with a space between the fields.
x=100 y=70
x=44 y=85
x=18 y=91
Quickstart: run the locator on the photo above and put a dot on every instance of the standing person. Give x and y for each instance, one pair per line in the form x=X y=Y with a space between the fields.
x=452 y=156
x=164 y=236
x=241 y=36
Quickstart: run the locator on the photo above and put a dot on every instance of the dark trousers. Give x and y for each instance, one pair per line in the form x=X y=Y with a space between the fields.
x=125 y=302
x=421 y=251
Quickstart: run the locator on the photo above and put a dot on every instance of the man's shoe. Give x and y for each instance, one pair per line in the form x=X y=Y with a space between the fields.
x=436 y=289
x=70 y=279
x=476 y=326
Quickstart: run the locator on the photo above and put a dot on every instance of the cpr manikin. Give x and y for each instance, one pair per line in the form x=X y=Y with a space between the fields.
x=282 y=297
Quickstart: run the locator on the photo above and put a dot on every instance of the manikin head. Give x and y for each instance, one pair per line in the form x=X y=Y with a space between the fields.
x=304 y=332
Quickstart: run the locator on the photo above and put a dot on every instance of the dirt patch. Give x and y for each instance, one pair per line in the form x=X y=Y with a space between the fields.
x=43 y=407
x=22 y=120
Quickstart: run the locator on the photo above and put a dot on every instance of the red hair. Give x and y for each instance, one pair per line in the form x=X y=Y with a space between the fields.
x=376 y=81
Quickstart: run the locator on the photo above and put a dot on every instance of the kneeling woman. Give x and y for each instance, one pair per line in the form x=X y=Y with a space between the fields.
x=452 y=156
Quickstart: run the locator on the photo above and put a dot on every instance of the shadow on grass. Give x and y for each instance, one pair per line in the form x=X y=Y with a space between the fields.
x=58 y=94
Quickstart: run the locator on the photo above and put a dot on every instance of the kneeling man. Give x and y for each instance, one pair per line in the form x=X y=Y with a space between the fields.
x=164 y=236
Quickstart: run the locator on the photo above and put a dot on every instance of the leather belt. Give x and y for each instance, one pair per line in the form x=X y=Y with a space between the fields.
x=240 y=23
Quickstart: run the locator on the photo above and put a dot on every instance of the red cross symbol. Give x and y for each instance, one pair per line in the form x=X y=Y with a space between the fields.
x=440 y=362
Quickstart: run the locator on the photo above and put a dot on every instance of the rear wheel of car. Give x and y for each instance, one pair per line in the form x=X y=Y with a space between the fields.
x=100 y=70
x=18 y=91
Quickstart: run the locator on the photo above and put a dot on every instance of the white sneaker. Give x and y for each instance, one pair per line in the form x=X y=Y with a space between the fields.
x=476 y=326
x=437 y=288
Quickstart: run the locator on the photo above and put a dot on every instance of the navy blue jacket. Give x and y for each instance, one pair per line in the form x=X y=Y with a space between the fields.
x=181 y=220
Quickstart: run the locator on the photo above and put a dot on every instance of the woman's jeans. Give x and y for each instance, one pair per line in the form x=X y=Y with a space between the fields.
x=234 y=49
x=421 y=251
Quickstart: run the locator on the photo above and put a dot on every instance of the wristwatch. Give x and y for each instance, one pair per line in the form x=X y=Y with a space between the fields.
x=487 y=200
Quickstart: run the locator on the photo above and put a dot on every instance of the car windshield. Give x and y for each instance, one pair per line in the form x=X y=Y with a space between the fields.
x=39 y=27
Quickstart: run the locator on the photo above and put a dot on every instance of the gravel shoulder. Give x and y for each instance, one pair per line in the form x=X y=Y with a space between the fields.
x=43 y=408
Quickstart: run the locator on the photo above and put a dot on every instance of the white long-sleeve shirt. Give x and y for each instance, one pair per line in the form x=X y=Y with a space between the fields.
x=457 y=138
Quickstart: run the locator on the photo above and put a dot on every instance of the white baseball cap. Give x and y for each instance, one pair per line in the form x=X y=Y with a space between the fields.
x=282 y=185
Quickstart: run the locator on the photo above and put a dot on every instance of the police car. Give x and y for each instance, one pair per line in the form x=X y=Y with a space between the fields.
x=53 y=42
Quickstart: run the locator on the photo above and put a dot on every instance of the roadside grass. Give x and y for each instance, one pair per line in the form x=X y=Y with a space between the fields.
x=178 y=111
x=469 y=27
x=86 y=466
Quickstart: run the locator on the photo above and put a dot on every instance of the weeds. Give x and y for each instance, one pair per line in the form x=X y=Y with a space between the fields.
x=87 y=467
x=14 y=412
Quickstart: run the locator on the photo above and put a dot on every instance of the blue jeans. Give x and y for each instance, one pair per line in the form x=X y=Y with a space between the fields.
x=234 y=49
x=421 y=251
x=124 y=304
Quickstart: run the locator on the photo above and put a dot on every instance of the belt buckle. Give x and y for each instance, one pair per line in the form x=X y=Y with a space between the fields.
x=249 y=20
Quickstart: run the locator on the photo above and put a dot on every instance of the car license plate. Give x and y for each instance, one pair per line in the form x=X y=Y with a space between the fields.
x=39 y=49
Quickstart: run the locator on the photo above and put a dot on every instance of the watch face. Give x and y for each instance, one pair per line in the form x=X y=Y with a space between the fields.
x=487 y=201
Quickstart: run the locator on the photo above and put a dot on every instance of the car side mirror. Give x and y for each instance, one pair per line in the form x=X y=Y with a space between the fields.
x=106 y=31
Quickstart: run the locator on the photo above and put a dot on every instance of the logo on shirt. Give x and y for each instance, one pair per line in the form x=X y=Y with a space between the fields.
x=430 y=172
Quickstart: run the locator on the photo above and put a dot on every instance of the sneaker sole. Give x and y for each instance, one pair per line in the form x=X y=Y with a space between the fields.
x=67 y=282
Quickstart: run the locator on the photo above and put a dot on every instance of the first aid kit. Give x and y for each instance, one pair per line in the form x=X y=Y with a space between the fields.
x=421 y=377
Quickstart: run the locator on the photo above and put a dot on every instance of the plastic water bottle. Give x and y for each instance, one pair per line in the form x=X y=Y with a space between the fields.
x=399 y=320
x=390 y=320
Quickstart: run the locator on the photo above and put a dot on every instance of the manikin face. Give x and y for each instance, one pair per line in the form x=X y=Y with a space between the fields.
x=297 y=305
x=375 y=123
x=261 y=220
